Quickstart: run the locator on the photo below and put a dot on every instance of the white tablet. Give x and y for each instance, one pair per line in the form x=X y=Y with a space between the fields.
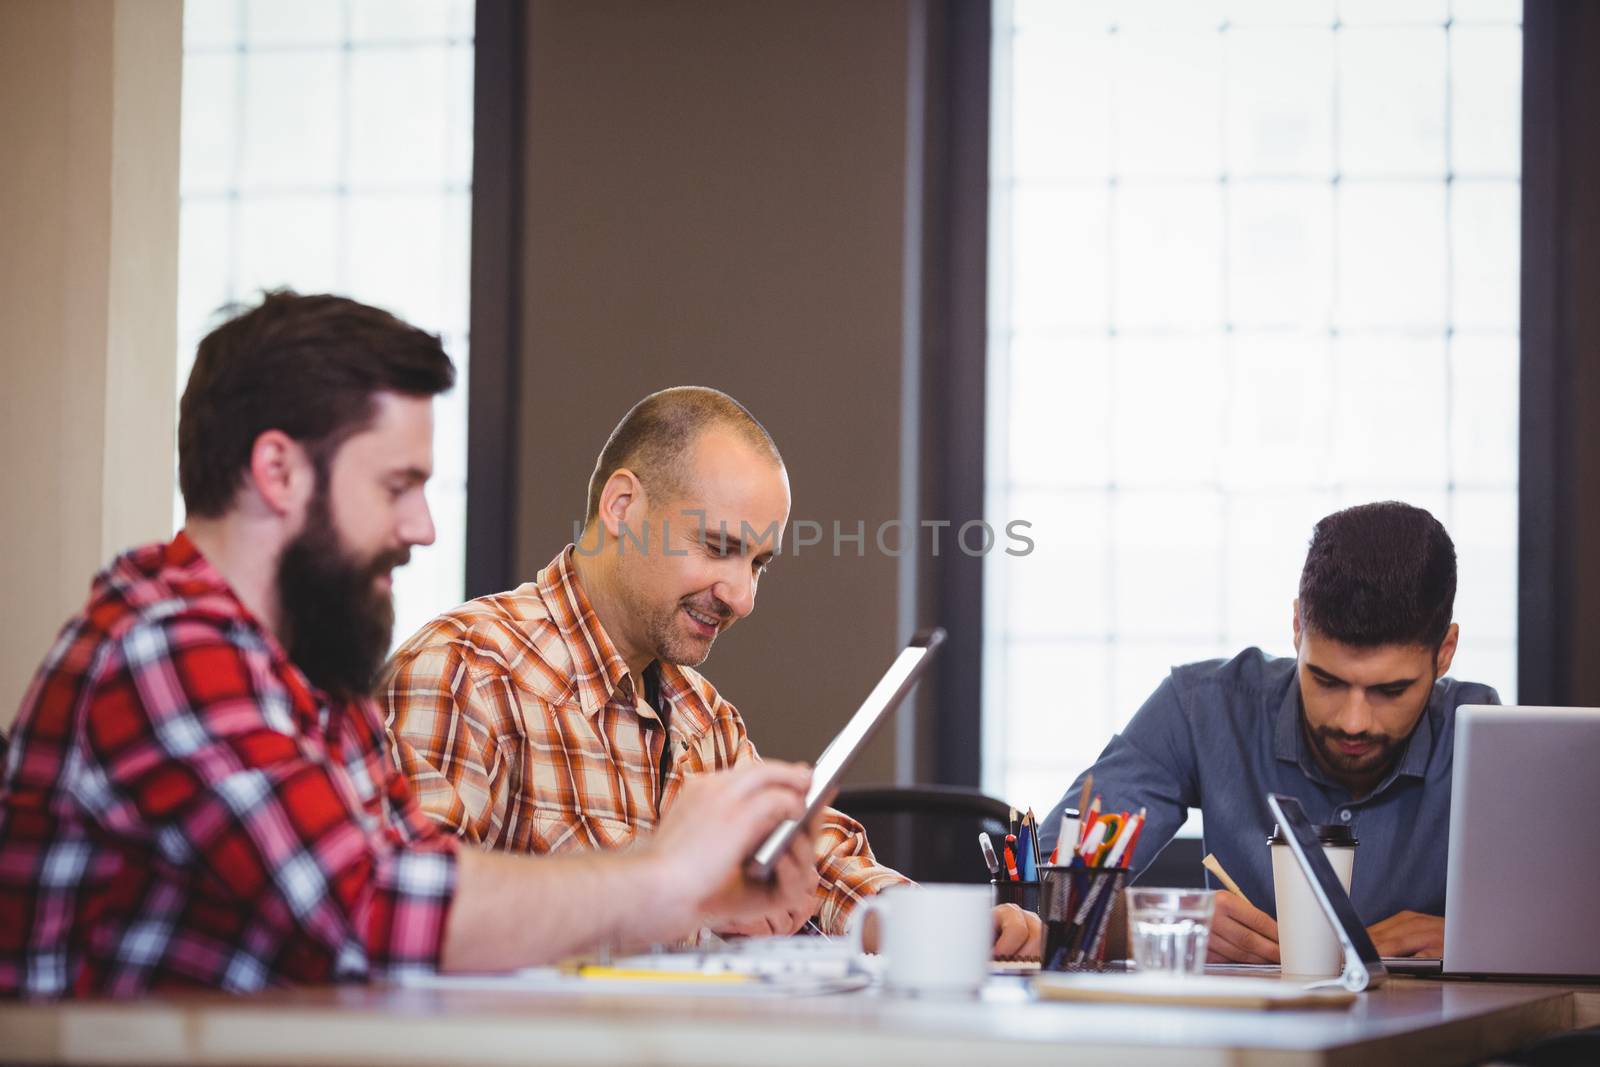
x=887 y=695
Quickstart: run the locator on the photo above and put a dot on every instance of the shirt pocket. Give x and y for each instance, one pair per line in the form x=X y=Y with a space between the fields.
x=555 y=832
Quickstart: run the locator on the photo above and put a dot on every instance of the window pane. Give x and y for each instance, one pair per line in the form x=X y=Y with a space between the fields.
x=1168 y=93
x=1485 y=385
x=1279 y=101
x=286 y=142
x=1059 y=241
x=1391 y=102
x=1393 y=12
x=1072 y=534
x=400 y=111
x=1167 y=256
x=1390 y=413
x=1277 y=425
x=1057 y=130
x=1063 y=382
x=1166 y=410
x=1486 y=254
x=1167 y=551
x=1280 y=266
x=1486 y=100
x=1391 y=255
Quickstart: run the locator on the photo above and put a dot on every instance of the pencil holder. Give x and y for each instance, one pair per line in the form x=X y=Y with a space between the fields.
x=1024 y=895
x=1079 y=907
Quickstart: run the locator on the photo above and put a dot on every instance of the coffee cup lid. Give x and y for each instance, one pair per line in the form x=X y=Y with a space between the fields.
x=1329 y=835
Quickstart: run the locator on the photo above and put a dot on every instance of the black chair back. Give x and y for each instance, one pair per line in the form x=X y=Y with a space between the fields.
x=928 y=833
x=1177 y=865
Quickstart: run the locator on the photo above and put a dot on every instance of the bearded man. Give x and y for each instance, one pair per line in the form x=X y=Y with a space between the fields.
x=199 y=794
x=1359 y=726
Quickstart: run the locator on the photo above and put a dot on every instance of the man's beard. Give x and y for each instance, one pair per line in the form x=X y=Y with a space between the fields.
x=338 y=621
x=1385 y=747
x=666 y=637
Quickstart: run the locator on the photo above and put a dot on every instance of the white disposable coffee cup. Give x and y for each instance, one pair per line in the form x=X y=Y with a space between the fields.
x=1307 y=942
x=936 y=940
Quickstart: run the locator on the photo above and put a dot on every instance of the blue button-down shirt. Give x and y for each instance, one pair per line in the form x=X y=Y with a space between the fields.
x=1221 y=735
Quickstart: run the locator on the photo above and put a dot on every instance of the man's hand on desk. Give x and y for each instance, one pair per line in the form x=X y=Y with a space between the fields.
x=1410 y=933
x=1241 y=933
x=1016 y=932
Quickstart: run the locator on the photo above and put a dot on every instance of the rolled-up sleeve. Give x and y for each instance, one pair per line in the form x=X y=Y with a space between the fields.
x=847 y=871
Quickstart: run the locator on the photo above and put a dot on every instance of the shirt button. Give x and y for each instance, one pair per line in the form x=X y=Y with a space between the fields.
x=1344 y=814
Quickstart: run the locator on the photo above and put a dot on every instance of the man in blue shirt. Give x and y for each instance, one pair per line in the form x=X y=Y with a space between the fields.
x=1359 y=726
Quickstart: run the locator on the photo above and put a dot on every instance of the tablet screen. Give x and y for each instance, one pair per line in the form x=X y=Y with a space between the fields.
x=887 y=695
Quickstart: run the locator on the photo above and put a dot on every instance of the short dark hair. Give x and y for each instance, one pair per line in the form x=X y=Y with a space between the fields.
x=306 y=365
x=1379 y=574
x=654 y=437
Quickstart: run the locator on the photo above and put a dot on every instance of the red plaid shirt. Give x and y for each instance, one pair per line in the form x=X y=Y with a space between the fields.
x=181 y=808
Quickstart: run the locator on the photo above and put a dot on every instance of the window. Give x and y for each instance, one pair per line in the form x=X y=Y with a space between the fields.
x=1251 y=262
x=327 y=146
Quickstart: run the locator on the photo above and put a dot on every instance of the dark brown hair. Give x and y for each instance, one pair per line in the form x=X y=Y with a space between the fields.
x=1379 y=574
x=306 y=365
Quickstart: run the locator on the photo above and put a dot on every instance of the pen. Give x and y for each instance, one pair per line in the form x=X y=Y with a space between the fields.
x=1212 y=864
x=1033 y=840
x=1011 y=857
x=644 y=975
x=989 y=857
x=1024 y=856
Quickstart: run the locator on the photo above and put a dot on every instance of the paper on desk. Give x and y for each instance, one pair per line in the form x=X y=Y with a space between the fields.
x=800 y=966
x=1195 y=991
x=554 y=981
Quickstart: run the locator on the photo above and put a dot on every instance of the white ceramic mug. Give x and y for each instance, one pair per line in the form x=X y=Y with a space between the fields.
x=1307 y=942
x=935 y=940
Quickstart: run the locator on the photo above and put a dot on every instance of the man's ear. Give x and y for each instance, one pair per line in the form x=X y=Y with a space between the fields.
x=1295 y=611
x=623 y=505
x=1447 y=651
x=281 y=473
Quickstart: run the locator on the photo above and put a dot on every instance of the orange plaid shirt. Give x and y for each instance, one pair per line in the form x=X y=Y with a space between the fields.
x=516 y=721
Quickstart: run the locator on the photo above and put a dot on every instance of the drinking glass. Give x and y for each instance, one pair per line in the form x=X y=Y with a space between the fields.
x=1168 y=929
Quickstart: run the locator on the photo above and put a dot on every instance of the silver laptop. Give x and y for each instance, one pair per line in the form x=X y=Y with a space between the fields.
x=1524 y=866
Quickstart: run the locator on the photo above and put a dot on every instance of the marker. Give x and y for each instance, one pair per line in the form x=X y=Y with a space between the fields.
x=989 y=857
x=1011 y=857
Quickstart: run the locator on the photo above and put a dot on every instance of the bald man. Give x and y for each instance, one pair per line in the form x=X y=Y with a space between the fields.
x=566 y=714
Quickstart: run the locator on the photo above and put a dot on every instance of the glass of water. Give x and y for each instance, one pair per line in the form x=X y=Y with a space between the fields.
x=1168 y=929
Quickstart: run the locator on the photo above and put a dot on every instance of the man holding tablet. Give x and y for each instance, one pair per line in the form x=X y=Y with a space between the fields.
x=566 y=714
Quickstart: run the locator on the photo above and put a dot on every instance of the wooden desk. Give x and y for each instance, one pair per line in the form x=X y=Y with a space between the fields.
x=1410 y=1022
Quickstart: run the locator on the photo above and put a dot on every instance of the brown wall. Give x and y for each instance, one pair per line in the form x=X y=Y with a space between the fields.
x=715 y=195
x=89 y=111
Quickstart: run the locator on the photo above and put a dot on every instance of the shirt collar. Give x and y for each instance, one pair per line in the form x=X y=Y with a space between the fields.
x=598 y=670
x=1289 y=739
x=599 y=674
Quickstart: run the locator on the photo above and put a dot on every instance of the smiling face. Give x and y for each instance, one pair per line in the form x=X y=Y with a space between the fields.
x=1361 y=704
x=706 y=552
